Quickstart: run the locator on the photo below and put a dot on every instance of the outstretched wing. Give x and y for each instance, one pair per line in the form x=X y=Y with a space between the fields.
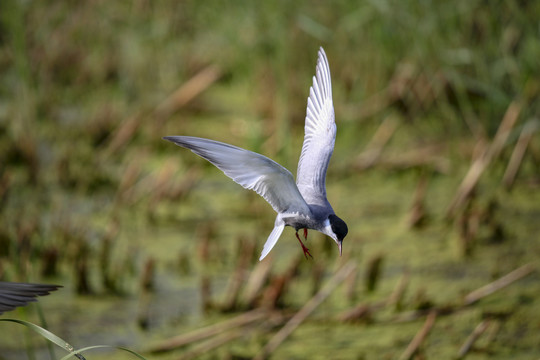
x=13 y=295
x=251 y=170
x=319 y=137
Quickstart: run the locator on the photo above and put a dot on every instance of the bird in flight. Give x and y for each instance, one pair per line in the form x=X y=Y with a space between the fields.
x=13 y=294
x=301 y=205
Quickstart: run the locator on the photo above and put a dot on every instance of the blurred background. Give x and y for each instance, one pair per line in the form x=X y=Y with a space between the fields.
x=436 y=171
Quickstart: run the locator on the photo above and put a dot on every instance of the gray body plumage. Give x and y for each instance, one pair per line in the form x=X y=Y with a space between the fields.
x=300 y=204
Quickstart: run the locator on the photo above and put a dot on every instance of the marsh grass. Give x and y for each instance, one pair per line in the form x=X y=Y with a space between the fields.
x=89 y=191
x=73 y=353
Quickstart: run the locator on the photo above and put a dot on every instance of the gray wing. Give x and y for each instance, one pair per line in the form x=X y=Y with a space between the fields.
x=13 y=295
x=319 y=137
x=251 y=170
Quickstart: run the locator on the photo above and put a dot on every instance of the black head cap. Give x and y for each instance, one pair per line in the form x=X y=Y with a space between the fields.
x=338 y=227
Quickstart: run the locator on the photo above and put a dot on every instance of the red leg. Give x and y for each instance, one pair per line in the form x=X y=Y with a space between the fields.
x=304 y=248
x=305 y=233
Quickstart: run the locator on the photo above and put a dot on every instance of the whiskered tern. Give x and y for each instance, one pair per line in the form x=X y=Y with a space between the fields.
x=301 y=205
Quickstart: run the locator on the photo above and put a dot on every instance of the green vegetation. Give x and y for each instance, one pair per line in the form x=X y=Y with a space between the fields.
x=132 y=226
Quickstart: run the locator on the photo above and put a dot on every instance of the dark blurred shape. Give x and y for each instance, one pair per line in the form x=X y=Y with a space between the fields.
x=417 y=214
x=82 y=276
x=373 y=272
x=49 y=266
x=13 y=295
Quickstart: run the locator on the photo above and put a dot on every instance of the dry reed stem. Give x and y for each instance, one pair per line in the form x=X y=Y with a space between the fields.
x=122 y=135
x=396 y=297
x=417 y=213
x=256 y=281
x=419 y=337
x=350 y=286
x=376 y=145
x=237 y=279
x=364 y=311
x=278 y=286
x=475 y=335
x=372 y=105
x=206 y=332
x=517 y=155
x=211 y=344
x=489 y=154
x=498 y=284
x=425 y=157
x=188 y=91
x=473 y=296
x=308 y=308
x=373 y=272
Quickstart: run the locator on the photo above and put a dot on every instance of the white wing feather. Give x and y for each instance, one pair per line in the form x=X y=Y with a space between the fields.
x=251 y=170
x=319 y=137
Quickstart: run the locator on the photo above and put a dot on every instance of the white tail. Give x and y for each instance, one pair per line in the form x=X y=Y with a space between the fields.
x=273 y=238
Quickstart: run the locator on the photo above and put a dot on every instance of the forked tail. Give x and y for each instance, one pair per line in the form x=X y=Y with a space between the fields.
x=273 y=238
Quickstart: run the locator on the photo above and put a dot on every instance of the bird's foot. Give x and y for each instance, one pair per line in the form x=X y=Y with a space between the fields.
x=306 y=252
x=304 y=248
x=305 y=233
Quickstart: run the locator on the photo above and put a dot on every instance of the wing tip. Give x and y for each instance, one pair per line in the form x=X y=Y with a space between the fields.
x=14 y=295
x=321 y=88
x=322 y=56
x=178 y=140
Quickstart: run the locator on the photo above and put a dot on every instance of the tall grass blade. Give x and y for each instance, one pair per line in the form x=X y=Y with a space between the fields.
x=64 y=344
x=43 y=332
x=78 y=351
